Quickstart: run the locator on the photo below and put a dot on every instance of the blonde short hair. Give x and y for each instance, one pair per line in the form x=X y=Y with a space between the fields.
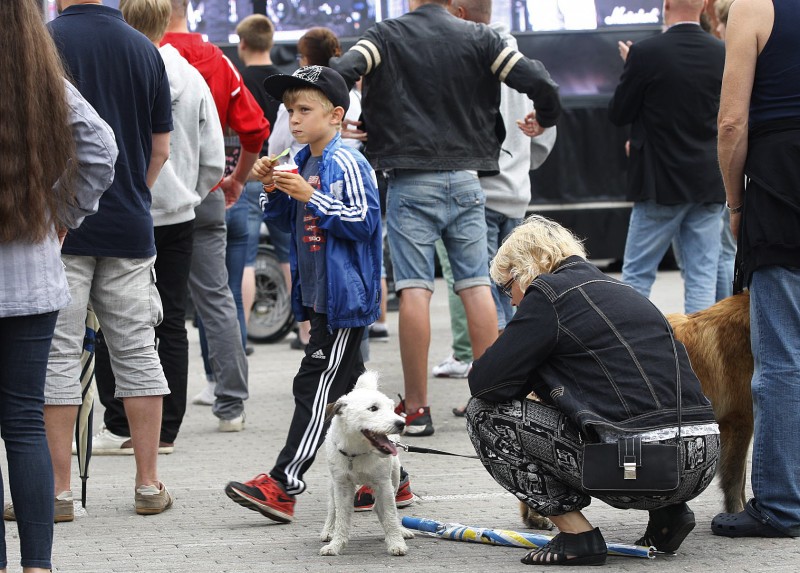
x=537 y=246
x=721 y=8
x=150 y=17
x=314 y=94
x=257 y=31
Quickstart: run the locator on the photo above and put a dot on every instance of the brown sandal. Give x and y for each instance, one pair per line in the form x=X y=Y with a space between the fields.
x=587 y=548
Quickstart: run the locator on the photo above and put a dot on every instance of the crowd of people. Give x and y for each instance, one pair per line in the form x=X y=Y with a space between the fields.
x=138 y=208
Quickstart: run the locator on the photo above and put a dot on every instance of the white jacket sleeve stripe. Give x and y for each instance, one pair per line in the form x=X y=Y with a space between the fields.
x=357 y=209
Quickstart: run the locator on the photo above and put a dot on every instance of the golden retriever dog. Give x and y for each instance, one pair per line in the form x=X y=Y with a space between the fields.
x=717 y=340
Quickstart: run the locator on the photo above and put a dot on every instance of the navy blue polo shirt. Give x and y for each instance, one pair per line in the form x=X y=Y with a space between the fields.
x=120 y=72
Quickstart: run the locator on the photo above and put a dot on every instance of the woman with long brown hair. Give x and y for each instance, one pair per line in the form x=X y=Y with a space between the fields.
x=56 y=159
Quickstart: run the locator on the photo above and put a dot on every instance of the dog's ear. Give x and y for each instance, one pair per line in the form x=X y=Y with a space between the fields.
x=368 y=380
x=334 y=409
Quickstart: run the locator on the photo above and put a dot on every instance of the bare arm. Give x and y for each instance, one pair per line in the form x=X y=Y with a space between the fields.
x=746 y=20
x=232 y=184
x=158 y=156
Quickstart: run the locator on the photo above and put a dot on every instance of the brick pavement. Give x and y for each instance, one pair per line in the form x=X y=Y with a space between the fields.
x=206 y=532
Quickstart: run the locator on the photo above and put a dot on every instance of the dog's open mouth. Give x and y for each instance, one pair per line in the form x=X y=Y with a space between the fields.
x=381 y=442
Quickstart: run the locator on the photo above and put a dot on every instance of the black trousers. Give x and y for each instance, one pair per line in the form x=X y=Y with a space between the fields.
x=174 y=247
x=329 y=370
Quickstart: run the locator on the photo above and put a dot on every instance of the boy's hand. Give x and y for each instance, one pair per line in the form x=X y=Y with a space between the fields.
x=293 y=185
x=262 y=170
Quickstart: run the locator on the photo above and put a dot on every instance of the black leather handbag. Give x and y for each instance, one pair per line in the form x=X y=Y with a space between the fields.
x=631 y=468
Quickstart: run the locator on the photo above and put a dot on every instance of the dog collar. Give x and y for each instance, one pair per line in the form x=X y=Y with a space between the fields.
x=350 y=458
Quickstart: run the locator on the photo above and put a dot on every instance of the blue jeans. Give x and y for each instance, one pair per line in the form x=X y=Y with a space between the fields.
x=236 y=223
x=423 y=206
x=277 y=238
x=727 y=258
x=650 y=232
x=775 y=341
x=24 y=349
x=498 y=227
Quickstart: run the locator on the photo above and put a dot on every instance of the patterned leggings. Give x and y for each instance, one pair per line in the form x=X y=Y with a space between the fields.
x=535 y=452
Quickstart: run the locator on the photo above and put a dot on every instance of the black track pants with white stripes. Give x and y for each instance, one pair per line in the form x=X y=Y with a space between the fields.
x=329 y=370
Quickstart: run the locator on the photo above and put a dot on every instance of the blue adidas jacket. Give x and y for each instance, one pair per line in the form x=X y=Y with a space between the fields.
x=348 y=208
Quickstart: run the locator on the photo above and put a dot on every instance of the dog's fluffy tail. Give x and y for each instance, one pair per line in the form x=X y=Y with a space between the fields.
x=369 y=380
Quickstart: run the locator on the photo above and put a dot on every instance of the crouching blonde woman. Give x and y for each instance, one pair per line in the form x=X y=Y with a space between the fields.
x=601 y=359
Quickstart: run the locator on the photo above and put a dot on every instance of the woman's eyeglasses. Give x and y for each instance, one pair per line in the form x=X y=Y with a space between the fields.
x=505 y=288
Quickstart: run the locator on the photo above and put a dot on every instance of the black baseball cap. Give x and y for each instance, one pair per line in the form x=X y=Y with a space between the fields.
x=325 y=79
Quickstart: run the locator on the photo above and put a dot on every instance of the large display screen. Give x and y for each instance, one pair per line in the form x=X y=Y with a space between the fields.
x=217 y=19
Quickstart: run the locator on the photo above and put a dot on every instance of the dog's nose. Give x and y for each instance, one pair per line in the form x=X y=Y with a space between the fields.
x=399 y=424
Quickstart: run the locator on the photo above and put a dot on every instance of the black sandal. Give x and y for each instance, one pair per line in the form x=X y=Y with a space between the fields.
x=587 y=548
x=668 y=527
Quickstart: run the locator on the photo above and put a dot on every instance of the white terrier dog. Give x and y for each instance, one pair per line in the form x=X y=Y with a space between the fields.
x=360 y=452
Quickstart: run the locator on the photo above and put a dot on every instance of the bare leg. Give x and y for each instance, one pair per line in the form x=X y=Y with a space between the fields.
x=481 y=318
x=572 y=522
x=248 y=291
x=384 y=296
x=59 y=423
x=415 y=339
x=144 y=418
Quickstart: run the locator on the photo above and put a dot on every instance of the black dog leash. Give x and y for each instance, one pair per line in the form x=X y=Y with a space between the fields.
x=418 y=450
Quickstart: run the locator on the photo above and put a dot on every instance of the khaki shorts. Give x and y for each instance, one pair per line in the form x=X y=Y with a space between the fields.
x=123 y=294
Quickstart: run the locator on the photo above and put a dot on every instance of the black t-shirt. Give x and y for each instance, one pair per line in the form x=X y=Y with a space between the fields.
x=121 y=74
x=254 y=77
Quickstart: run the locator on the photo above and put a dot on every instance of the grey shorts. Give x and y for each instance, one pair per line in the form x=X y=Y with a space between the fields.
x=122 y=292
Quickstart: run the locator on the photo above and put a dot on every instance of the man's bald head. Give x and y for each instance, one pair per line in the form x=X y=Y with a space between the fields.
x=479 y=11
x=683 y=11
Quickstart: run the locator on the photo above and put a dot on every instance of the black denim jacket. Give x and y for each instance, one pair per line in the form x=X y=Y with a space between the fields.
x=597 y=350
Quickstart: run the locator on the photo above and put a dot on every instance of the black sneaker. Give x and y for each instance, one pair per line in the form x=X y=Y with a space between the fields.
x=378 y=335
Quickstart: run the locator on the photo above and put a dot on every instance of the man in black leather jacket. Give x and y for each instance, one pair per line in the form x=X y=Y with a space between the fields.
x=430 y=104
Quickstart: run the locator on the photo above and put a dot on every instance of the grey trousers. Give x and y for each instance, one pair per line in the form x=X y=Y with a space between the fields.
x=213 y=300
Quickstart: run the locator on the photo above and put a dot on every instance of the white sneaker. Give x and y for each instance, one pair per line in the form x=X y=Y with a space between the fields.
x=233 y=425
x=106 y=443
x=206 y=397
x=451 y=367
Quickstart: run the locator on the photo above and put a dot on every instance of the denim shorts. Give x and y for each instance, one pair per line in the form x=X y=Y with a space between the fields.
x=123 y=294
x=423 y=206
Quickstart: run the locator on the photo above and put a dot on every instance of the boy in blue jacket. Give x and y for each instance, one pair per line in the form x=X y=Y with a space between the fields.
x=332 y=210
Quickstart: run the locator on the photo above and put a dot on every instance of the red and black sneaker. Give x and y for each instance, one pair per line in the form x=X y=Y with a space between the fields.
x=365 y=498
x=418 y=423
x=264 y=495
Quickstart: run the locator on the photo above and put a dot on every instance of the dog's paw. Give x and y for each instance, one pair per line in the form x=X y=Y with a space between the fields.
x=532 y=519
x=325 y=536
x=331 y=549
x=398 y=548
x=407 y=534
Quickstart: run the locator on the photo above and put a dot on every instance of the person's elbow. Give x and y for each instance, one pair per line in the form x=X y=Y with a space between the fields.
x=731 y=127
